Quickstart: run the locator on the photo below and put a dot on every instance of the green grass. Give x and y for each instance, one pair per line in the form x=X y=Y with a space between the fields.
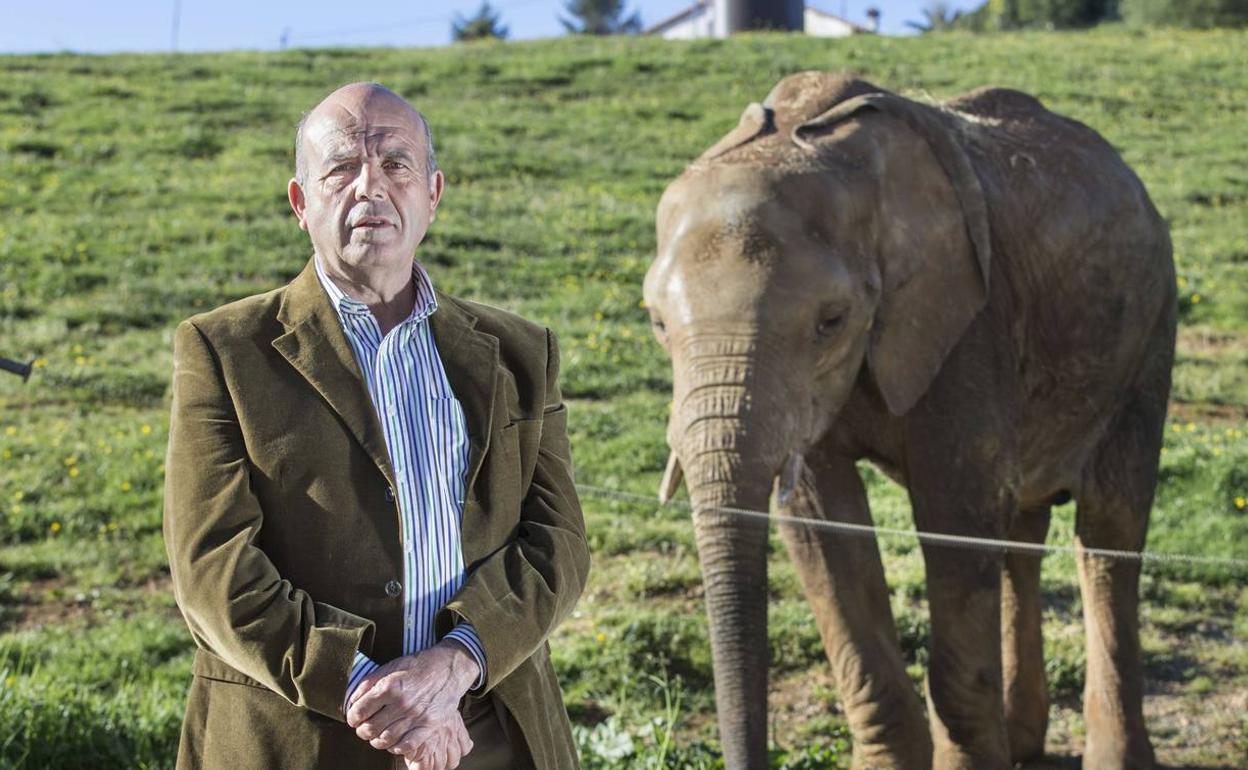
x=138 y=190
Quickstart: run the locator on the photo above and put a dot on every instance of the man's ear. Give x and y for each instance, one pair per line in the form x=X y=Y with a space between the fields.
x=436 y=186
x=294 y=193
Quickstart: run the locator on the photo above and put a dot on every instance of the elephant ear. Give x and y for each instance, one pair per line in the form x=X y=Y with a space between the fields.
x=756 y=121
x=933 y=256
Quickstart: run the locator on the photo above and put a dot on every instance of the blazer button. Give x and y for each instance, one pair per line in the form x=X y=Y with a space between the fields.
x=394 y=588
x=389 y=494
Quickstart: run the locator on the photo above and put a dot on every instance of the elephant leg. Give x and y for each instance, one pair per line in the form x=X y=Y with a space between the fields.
x=1022 y=643
x=1113 y=509
x=964 y=490
x=843 y=578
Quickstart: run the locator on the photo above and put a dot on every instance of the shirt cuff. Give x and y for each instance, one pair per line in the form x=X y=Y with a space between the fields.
x=466 y=635
x=361 y=667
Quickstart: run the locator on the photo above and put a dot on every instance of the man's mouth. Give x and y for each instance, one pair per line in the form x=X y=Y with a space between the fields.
x=371 y=222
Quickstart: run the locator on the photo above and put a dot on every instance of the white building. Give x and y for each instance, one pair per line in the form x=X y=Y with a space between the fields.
x=698 y=20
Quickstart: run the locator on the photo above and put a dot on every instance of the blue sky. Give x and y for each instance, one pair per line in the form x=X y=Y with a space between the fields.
x=101 y=26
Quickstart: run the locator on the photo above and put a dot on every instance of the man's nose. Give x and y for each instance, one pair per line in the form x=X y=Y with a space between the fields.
x=368 y=184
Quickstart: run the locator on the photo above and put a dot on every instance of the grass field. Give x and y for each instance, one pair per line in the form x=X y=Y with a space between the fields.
x=137 y=190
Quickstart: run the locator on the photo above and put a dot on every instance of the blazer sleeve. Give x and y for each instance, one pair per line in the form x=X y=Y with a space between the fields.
x=236 y=604
x=517 y=595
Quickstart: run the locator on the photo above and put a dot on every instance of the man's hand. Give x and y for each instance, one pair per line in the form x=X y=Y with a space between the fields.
x=410 y=706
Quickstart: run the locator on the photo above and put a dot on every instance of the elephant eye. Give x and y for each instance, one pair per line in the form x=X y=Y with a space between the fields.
x=828 y=326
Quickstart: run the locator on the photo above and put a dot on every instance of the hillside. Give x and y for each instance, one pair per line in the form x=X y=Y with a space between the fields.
x=137 y=190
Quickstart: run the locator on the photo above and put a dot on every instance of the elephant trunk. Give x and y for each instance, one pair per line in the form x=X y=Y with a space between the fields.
x=730 y=432
x=733 y=554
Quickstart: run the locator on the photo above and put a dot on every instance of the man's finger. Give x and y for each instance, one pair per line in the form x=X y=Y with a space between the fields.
x=414 y=746
x=465 y=742
x=383 y=691
x=362 y=688
x=387 y=727
x=452 y=753
x=439 y=753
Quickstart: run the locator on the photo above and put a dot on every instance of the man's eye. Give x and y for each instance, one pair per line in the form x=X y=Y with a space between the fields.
x=341 y=167
x=394 y=164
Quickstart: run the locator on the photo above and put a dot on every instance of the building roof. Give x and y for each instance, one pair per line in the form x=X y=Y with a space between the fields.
x=678 y=17
x=701 y=5
x=856 y=27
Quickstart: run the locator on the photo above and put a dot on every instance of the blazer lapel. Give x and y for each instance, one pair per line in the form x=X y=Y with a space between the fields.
x=317 y=347
x=470 y=358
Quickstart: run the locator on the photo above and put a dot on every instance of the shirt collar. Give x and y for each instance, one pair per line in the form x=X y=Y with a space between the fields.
x=426 y=302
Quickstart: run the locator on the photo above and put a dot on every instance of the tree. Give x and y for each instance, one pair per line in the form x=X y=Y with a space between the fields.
x=937 y=17
x=1051 y=14
x=599 y=17
x=1186 y=13
x=481 y=26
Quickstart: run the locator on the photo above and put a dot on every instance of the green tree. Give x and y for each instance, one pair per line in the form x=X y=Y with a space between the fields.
x=937 y=17
x=1186 y=13
x=482 y=25
x=1019 y=14
x=599 y=17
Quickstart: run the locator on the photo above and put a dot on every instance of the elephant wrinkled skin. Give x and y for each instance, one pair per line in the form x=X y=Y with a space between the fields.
x=979 y=298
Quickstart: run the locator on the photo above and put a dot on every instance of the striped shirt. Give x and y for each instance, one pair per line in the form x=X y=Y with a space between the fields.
x=427 y=439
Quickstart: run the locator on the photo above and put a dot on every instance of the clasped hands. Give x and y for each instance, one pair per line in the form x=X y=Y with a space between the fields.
x=410 y=706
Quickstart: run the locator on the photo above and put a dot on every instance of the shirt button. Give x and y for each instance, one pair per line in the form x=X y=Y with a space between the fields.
x=394 y=588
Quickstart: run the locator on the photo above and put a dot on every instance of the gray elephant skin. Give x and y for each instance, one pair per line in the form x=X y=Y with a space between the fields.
x=978 y=297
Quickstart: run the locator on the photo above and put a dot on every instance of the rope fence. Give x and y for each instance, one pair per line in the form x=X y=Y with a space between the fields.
x=933 y=538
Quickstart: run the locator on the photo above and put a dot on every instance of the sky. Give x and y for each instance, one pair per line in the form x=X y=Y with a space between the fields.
x=106 y=26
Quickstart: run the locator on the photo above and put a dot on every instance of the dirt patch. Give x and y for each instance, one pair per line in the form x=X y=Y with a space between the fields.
x=58 y=601
x=1205 y=412
x=1207 y=342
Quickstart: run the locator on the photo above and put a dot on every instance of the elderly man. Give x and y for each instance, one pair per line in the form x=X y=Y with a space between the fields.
x=369 y=510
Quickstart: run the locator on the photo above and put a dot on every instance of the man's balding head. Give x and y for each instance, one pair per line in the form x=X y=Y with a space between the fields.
x=366 y=185
x=354 y=99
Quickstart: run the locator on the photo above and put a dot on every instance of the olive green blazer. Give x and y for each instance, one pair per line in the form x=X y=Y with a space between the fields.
x=283 y=533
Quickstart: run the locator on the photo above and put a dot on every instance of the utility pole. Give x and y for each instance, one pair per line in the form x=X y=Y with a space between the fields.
x=177 y=18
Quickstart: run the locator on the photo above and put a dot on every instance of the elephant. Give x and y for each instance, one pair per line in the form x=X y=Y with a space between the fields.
x=977 y=297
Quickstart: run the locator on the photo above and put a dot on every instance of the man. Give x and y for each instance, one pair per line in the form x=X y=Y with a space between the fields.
x=369 y=509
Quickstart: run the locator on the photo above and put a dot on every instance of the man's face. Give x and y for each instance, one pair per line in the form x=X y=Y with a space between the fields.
x=367 y=199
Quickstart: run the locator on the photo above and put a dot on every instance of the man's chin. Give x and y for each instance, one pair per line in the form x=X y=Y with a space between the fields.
x=373 y=255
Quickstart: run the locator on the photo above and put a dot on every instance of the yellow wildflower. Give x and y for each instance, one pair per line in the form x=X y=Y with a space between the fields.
x=80 y=360
x=10 y=430
x=601 y=637
x=146 y=429
x=1196 y=299
x=56 y=526
x=73 y=472
x=1241 y=503
x=8 y=453
x=125 y=486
